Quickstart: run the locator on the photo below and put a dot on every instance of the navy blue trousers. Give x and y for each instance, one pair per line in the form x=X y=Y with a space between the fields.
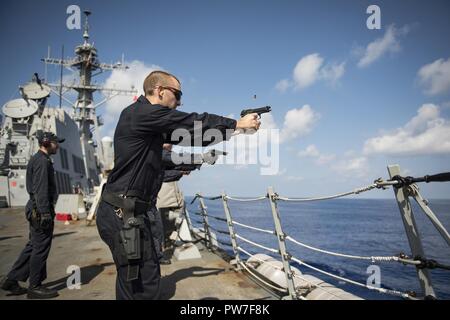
x=147 y=286
x=32 y=261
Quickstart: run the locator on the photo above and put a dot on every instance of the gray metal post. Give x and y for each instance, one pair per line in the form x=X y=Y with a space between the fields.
x=205 y=223
x=402 y=196
x=281 y=237
x=430 y=214
x=9 y=189
x=188 y=219
x=231 y=230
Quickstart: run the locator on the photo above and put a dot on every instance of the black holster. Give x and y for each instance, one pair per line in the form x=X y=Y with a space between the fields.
x=35 y=219
x=40 y=220
x=130 y=235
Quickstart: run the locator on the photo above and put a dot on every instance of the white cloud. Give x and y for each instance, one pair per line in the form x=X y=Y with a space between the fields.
x=126 y=79
x=357 y=167
x=241 y=166
x=283 y=85
x=350 y=153
x=426 y=133
x=71 y=78
x=388 y=43
x=311 y=151
x=325 y=158
x=350 y=164
x=267 y=121
x=298 y=122
x=123 y=79
x=309 y=70
x=263 y=147
x=333 y=72
x=306 y=72
x=250 y=143
x=260 y=148
x=110 y=122
x=435 y=76
x=294 y=178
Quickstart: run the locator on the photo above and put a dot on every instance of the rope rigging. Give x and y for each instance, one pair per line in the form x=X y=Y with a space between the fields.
x=253 y=228
x=218 y=230
x=430 y=264
x=397 y=181
x=339 y=195
x=257 y=244
x=381 y=290
x=217 y=218
x=406 y=181
x=203 y=197
x=402 y=259
x=246 y=199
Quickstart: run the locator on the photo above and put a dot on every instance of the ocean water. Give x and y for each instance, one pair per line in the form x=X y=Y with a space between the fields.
x=366 y=227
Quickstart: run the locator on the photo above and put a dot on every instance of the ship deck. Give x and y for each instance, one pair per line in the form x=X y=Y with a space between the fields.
x=210 y=277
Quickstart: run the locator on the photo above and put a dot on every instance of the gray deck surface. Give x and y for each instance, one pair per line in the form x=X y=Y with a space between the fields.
x=78 y=244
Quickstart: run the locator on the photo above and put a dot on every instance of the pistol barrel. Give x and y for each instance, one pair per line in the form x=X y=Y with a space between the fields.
x=259 y=111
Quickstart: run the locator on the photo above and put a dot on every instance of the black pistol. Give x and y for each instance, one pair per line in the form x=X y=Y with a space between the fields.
x=215 y=152
x=259 y=111
x=211 y=156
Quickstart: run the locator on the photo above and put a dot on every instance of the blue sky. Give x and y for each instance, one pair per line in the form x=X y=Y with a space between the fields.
x=342 y=95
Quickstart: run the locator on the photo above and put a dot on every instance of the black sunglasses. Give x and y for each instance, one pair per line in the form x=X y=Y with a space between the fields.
x=177 y=93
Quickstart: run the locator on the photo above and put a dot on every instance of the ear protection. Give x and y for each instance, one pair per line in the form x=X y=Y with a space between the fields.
x=46 y=142
x=43 y=139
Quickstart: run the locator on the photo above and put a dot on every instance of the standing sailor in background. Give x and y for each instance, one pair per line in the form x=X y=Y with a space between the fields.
x=169 y=195
x=133 y=184
x=170 y=201
x=170 y=204
x=40 y=212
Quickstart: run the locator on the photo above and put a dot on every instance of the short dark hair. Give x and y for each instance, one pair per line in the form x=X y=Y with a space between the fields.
x=156 y=78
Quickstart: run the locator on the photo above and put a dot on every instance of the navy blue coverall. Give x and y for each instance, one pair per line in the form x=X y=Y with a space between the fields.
x=138 y=140
x=41 y=186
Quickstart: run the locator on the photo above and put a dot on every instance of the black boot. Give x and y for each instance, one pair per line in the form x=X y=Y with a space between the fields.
x=13 y=287
x=41 y=292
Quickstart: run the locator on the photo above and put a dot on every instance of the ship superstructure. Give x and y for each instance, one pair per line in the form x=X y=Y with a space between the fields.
x=80 y=159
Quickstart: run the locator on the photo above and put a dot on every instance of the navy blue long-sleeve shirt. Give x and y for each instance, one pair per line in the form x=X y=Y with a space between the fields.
x=40 y=182
x=140 y=133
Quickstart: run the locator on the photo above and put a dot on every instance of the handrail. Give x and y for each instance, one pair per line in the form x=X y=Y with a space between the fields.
x=246 y=199
x=253 y=228
x=370 y=258
x=396 y=182
x=381 y=290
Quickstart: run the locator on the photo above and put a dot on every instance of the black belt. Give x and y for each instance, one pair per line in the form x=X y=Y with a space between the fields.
x=133 y=204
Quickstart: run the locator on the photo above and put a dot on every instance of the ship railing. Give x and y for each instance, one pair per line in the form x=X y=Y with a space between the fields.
x=402 y=193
